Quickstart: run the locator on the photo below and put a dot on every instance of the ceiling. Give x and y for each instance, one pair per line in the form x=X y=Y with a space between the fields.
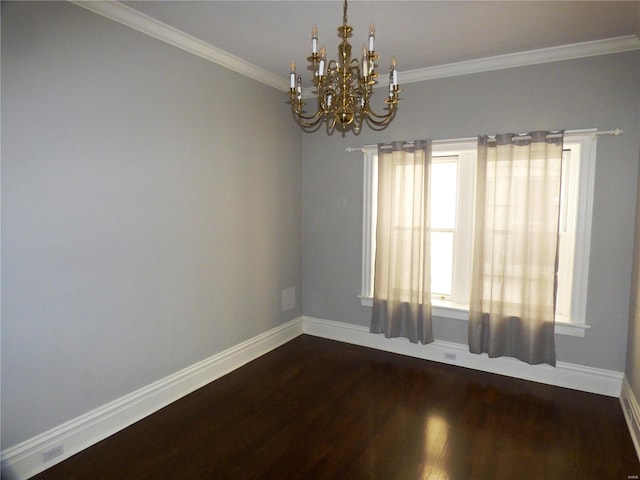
x=421 y=34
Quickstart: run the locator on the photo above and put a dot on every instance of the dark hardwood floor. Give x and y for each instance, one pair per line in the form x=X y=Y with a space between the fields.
x=319 y=409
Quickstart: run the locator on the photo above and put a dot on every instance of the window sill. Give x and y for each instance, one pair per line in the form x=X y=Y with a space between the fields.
x=457 y=311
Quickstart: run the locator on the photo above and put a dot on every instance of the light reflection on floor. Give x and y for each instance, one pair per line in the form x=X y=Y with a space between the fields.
x=436 y=436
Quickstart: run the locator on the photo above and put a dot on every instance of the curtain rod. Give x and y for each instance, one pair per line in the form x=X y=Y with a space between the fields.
x=616 y=132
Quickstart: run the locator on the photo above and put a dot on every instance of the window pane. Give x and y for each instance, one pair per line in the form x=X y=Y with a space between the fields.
x=444 y=181
x=441 y=262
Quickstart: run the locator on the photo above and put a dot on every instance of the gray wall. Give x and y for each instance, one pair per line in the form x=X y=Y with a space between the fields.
x=633 y=344
x=600 y=92
x=151 y=212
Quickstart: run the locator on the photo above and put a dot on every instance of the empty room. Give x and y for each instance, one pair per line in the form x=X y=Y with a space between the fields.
x=320 y=240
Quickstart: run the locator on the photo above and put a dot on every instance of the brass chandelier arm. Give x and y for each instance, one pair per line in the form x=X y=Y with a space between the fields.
x=381 y=123
x=297 y=109
x=375 y=116
x=314 y=119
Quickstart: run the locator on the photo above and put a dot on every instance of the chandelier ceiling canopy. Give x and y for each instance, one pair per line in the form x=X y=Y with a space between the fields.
x=343 y=88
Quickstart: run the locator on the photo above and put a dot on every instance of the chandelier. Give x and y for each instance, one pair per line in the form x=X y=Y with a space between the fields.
x=344 y=87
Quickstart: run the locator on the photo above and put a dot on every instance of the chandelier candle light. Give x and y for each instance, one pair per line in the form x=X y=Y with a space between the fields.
x=344 y=87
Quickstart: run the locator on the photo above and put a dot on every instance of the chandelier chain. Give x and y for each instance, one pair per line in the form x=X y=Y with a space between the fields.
x=344 y=12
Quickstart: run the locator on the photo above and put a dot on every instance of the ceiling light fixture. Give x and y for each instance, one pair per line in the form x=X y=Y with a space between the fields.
x=344 y=87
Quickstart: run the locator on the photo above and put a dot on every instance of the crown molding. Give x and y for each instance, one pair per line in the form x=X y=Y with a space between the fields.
x=141 y=22
x=521 y=59
x=150 y=26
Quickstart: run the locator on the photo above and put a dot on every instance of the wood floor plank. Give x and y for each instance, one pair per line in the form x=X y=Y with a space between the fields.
x=319 y=409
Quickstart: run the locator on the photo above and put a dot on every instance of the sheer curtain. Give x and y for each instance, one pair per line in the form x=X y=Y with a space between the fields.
x=513 y=285
x=401 y=291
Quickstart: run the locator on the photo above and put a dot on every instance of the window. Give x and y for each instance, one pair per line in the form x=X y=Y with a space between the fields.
x=452 y=197
x=443 y=187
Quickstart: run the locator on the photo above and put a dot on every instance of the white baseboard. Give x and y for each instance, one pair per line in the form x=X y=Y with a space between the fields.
x=576 y=377
x=45 y=450
x=631 y=410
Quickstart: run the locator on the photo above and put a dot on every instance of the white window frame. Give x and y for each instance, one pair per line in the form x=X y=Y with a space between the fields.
x=586 y=142
x=463 y=241
x=582 y=141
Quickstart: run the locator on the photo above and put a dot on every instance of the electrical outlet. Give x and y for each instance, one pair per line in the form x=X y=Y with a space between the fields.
x=449 y=356
x=52 y=453
x=288 y=299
